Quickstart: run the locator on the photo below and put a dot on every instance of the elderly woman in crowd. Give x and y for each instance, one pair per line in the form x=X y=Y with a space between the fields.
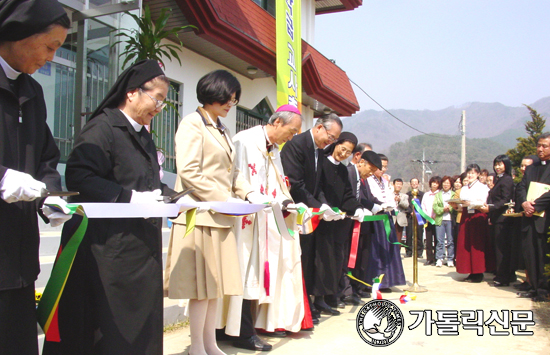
x=204 y=266
x=112 y=302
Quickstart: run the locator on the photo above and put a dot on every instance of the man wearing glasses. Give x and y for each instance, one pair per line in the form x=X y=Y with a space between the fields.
x=302 y=158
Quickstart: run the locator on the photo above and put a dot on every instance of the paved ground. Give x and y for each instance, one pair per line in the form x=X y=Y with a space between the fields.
x=338 y=335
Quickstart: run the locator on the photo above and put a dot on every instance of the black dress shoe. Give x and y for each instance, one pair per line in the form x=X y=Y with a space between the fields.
x=315 y=314
x=527 y=294
x=386 y=290
x=252 y=343
x=327 y=310
x=524 y=286
x=500 y=284
x=427 y=263
x=353 y=300
x=336 y=304
x=315 y=320
x=362 y=293
x=476 y=278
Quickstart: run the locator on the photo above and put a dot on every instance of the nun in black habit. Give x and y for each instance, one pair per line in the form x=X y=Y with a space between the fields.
x=113 y=300
x=329 y=238
x=30 y=33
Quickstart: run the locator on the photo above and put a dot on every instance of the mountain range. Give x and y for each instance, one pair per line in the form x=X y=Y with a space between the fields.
x=495 y=121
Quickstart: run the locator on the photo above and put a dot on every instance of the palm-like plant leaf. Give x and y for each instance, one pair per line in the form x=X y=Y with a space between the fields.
x=147 y=42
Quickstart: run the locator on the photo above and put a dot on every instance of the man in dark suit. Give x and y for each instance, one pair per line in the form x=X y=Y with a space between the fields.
x=410 y=216
x=302 y=159
x=348 y=290
x=534 y=228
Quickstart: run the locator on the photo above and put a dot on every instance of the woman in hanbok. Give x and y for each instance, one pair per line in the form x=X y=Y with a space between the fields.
x=473 y=231
x=384 y=255
x=336 y=191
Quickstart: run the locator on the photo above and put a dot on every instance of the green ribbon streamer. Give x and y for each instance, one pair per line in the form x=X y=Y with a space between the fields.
x=384 y=218
x=422 y=213
x=56 y=283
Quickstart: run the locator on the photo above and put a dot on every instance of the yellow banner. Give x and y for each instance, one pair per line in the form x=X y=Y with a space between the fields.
x=289 y=53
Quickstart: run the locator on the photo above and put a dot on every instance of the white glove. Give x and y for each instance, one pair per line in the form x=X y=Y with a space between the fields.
x=359 y=215
x=376 y=208
x=55 y=216
x=367 y=212
x=17 y=186
x=328 y=213
x=258 y=198
x=339 y=217
x=293 y=208
x=146 y=196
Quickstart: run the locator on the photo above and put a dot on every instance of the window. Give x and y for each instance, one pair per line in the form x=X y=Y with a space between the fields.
x=259 y=115
x=267 y=5
x=164 y=125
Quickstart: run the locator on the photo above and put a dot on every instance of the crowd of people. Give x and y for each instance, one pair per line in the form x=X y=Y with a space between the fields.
x=265 y=273
x=485 y=223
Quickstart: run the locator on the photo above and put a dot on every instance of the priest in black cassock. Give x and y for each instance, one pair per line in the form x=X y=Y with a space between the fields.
x=30 y=33
x=534 y=229
x=302 y=159
x=113 y=299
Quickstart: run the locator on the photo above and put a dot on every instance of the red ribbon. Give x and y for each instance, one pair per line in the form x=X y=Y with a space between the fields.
x=354 y=244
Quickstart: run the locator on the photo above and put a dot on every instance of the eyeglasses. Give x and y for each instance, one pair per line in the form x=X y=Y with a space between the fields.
x=330 y=136
x=233 y=102
x=158 y=103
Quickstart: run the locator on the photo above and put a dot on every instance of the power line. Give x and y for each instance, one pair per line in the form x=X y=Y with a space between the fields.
x=391 y=114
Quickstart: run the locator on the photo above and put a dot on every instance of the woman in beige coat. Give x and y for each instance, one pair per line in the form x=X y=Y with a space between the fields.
x=204 y=265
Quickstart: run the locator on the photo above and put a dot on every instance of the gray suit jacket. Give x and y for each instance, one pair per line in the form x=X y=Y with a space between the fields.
x=402 y=208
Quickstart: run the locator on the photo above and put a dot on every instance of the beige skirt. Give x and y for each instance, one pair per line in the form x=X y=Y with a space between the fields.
x=203 y=265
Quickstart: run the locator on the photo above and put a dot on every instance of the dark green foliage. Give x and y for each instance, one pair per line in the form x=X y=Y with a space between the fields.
x=445 y=151
x=146 y=43
x=527 y=146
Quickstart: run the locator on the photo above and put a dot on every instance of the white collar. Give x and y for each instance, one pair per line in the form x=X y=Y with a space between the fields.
x=543 y=162
x=11 y=73
x=211 y=120
x=266 y=137
x=134 y=124
x=332 y=160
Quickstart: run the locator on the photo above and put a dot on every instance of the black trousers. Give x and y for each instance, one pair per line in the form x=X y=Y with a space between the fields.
x=247 y=323
x=502 y=236
x=431 y=241
x=18 y=334
x=535 y=248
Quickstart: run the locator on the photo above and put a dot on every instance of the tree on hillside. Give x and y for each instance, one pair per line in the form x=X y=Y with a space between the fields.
x=527 y=146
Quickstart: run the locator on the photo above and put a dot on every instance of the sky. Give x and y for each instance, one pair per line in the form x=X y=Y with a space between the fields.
x=432 y=54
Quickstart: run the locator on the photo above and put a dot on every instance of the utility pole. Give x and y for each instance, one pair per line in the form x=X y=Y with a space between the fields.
x=463 y=152
x=423 y=161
